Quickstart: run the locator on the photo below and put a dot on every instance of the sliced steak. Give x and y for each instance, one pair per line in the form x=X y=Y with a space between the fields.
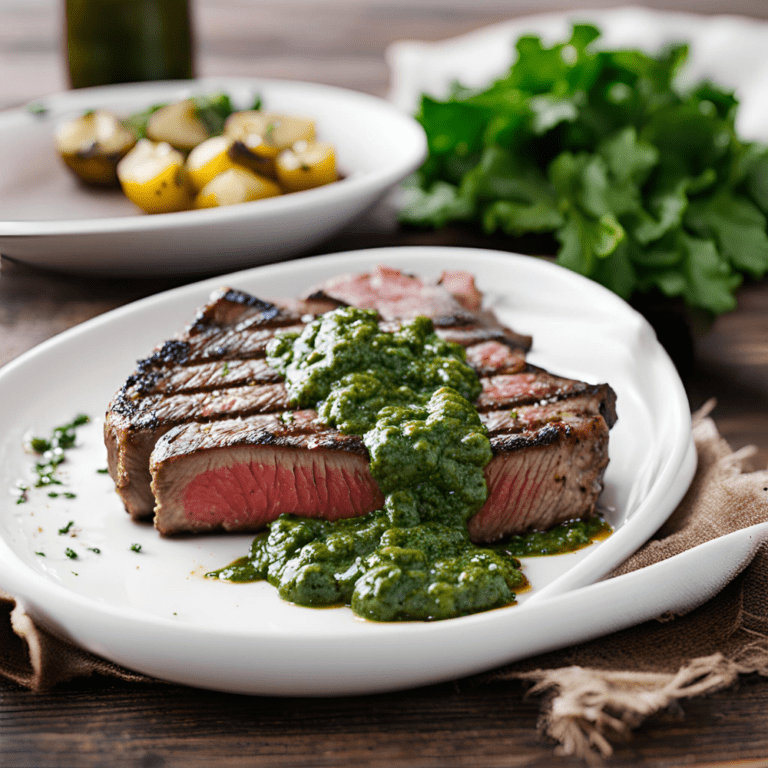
x=215 y=369
x=230 y=332
x=228 y=453
x=240 y=474
x=548 y=471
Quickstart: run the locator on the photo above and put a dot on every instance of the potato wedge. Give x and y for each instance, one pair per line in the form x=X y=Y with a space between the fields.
x=237 y=185
x=266 y=134
x=178 y=125
x=153 y=177
x=306 y=165
x=92 y=145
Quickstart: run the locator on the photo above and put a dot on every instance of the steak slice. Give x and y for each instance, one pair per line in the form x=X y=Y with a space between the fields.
x=240 y=474
x=176 y=383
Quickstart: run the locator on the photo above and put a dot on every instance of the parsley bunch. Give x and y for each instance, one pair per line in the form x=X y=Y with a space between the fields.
x=645 y=187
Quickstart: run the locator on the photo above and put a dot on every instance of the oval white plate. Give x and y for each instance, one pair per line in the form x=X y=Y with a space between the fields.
x=153 y=612
x=50 y=220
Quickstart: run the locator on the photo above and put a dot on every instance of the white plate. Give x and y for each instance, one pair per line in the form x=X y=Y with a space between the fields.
x=48 y=219
x=153 y=612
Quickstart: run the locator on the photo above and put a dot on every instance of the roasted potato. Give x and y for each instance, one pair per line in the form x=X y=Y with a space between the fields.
x=306 y=165
x=154 y=177
x=92 y=145
x=266 y=134
x=178 y=125
x=209 y=159
x=236 y=185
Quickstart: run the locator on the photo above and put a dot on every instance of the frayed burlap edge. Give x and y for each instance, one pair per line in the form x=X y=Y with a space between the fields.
x=36 y=659
x=587 y=709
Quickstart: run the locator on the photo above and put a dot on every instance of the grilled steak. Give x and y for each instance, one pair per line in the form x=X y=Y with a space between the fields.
x=202 y=435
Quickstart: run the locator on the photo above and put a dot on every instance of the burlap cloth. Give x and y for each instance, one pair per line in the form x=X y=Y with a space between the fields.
x=595 y=692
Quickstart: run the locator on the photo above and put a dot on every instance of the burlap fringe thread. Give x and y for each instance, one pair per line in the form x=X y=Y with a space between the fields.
x=586 y=708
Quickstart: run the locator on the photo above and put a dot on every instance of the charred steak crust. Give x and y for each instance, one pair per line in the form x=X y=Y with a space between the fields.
x=207 y=405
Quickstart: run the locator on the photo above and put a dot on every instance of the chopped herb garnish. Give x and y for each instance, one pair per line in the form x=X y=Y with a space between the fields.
x=41 y=554
x=135 y=547
x=102 y=471
x=66 y=528
x=225 y=369
x=52 y=452
x=40 y=445
x=70 y=553
x=94 y=549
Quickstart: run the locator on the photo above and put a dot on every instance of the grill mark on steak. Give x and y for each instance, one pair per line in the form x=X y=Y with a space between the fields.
x=178 y=394
x=203 y=377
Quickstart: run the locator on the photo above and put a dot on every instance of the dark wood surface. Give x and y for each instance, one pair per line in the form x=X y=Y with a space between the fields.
x=99 y=722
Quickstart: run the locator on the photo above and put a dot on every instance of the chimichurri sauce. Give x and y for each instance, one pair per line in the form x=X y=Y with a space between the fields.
x=409 y=394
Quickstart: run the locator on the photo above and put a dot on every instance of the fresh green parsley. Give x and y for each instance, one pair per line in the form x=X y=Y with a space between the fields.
x=135 y=547
x=642 y=185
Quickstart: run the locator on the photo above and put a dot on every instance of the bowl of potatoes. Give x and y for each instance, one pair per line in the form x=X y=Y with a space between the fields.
x=194 y=177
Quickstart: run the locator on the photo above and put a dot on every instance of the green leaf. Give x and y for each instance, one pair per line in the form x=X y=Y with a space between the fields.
x=710 y=282
x=616 y=271
x=583 y=179
x=435 y=207
x=756 y=180
x=646 y=185
x=737 y=226
x=501 y=174
x=665 y=212
x=628 y=158
x=213 y=109
x=519 y=218
x=584 y=240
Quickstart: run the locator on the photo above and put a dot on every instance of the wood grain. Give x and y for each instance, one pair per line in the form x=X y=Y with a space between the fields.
x=90 y=723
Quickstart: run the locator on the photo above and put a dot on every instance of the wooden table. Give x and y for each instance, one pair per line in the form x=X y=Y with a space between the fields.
x=100 y=722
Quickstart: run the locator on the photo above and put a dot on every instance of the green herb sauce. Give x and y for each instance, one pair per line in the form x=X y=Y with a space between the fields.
x=409 y=395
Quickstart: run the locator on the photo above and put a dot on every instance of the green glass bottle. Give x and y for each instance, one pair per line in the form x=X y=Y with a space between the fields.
x=127 y=41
